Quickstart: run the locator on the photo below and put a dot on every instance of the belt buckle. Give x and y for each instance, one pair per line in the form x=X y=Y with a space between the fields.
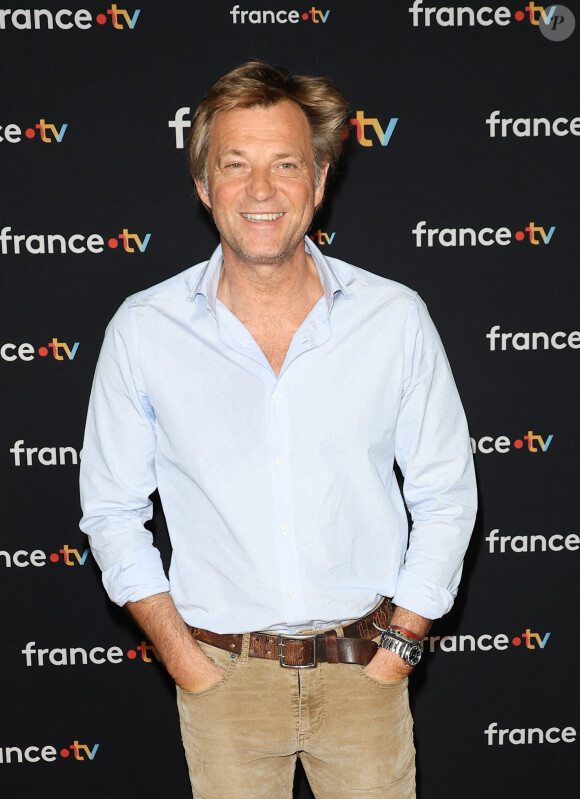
x=282 y=644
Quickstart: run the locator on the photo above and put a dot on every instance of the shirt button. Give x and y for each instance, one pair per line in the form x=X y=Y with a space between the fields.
x=278 y=461
x=284 y=529
x=275 y=396
x=292 y=592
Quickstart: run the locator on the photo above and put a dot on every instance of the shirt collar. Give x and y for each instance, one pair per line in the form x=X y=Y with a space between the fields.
x=207 y=282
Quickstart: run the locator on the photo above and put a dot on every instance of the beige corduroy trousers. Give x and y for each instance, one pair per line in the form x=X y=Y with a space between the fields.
x=353 y=734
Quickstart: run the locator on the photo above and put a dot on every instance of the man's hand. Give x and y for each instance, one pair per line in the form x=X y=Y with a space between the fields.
x=387 y=667
x=202 y=679
x=157 y=616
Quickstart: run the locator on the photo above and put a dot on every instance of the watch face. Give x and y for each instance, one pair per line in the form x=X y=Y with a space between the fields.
x=414 y=655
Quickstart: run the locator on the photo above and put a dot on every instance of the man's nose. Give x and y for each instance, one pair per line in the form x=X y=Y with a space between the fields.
x=260 y=184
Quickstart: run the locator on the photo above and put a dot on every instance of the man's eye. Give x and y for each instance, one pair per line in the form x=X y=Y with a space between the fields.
x=234 y=165
x=287 y=166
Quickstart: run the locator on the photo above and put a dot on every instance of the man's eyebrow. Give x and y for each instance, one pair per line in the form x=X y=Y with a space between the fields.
x=276 y=156
x=226 y=153
x=295 y=156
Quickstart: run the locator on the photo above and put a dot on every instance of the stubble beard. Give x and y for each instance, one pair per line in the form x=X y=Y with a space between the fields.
x=275 y=259
x=251 y=259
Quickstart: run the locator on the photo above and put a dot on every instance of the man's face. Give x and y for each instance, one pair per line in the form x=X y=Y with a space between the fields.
x=261 y=181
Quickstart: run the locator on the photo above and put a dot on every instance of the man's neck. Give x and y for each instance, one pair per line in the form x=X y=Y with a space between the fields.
x=271 y=300
x=253 y=291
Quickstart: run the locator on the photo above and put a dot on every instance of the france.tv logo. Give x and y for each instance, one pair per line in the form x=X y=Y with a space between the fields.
x=369 y=130
x=46 y=132
x=55 y=349
x=76 y=243
x=23 y=19
x=282 y=16
x=48 y=754
x=555 y=22
x=38 y=558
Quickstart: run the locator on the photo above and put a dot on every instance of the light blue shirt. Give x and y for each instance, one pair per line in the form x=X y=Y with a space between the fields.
x=279 y=492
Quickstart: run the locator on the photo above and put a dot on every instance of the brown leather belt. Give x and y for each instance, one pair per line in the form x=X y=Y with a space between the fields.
x=306 y=651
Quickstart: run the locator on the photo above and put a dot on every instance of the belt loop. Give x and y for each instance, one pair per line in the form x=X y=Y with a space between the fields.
x=331 y=646
x=339 y=630
x=244 y=654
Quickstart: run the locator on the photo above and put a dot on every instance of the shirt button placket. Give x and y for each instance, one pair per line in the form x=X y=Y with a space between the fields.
x=283 y=498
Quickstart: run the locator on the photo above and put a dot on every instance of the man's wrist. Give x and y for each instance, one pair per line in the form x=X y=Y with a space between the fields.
x=408 y=635
x=402 y=642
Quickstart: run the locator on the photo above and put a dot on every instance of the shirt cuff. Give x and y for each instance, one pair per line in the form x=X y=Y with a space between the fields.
x=419 y=595
x=136 y=576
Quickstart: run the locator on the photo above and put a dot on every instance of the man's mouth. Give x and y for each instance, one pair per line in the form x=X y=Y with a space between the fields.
x=262 y=217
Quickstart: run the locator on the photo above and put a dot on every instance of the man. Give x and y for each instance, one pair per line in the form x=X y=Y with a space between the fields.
x=267 y=393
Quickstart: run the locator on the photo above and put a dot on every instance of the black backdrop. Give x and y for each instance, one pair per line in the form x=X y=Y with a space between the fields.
x=86 y=707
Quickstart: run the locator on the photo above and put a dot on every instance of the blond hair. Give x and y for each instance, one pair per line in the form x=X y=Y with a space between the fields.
x=255 y=83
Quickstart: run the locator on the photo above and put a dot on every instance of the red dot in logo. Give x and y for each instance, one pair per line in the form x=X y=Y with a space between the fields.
x=519 y=15
x=64 y=753
x=518 y=443
x=516 y=641
x=43 y=352
x=29 y=133
x=131 y=654
x=520 y=235
x=305 y=15
x=101 y=18
x=54 y=557
x=113 y=243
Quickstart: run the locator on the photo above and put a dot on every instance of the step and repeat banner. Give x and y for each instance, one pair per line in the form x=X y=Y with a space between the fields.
x=460 y=179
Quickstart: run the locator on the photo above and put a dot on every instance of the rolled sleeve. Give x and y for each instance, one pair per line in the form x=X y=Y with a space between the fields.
x=434 y=454
x=136 y=576
x=117 y=475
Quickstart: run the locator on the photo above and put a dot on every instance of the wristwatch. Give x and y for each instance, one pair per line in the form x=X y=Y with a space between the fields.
x=409 y=651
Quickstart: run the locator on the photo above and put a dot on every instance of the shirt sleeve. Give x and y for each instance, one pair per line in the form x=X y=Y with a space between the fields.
x=117 y=473
x=433 y=450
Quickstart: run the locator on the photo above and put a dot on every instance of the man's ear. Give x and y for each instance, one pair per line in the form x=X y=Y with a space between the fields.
x=203 y=193
x=319 y=191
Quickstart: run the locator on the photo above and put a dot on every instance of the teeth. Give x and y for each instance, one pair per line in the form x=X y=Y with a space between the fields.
x=262 y=217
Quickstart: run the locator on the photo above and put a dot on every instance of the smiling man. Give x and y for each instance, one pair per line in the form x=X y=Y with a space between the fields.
x=267 y=393
x=263 y=188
